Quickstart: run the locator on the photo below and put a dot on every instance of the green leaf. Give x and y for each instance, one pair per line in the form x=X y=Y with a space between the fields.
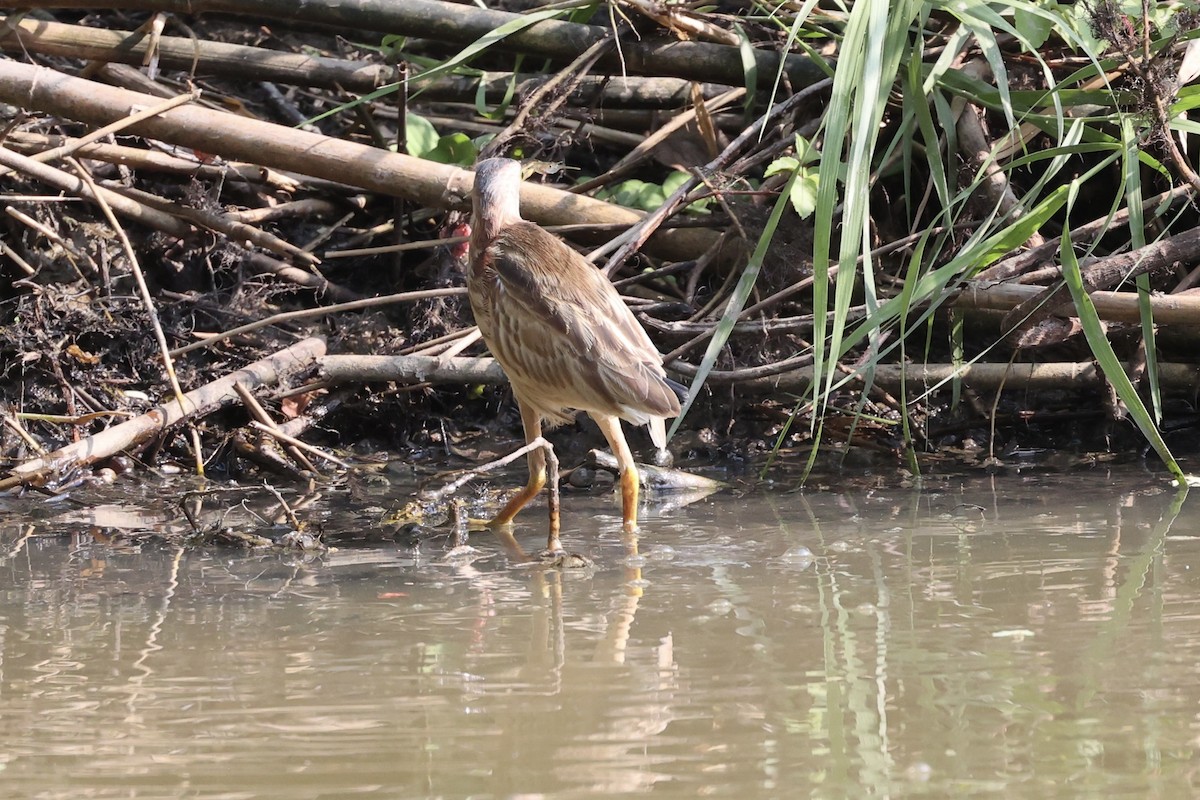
x=806 y=153
x=638 y=194
x=421 y=136
x=749 y=66
x=510 y=90
x=1102 y=351
x=804 y=193
x=454 y=148
x=674 y=181
x=1034 y=28
x=782 y=164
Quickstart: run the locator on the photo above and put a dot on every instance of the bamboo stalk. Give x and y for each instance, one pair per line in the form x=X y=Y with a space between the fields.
x=27 y=35
x=337 y=369
x=1168 y=309
x=464 y=24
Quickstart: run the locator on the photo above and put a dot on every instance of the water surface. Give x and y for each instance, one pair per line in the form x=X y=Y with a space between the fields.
x=1007 y=637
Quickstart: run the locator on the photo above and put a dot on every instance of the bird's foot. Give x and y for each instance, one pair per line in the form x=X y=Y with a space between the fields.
x=560 y=558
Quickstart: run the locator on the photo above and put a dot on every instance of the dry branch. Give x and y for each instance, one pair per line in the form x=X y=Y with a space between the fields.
x=410 y=369
x=199 y=403
x=1168 y=309
x=243 y=62
x=123 y=205
x=176 y=52
x=337 y=369
x=1052 y=375
x=280 y=147
x=1181 y=248
x=463 y=24
x=29 y=143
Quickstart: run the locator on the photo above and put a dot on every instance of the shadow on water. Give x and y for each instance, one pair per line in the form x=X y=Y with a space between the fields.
x=1005 y=637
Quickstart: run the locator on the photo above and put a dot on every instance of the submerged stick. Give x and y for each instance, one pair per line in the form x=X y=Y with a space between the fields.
x=199 y=403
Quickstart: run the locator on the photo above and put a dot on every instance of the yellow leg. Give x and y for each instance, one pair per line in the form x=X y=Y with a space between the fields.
x=532 y=421
x=611 y=428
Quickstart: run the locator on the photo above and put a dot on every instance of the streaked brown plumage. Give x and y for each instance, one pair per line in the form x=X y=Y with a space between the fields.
x=561 y=332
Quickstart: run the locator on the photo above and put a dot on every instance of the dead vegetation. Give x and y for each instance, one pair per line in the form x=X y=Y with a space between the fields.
x=278 y=180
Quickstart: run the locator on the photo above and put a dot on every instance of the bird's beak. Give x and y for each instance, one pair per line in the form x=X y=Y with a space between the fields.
x=457 y=193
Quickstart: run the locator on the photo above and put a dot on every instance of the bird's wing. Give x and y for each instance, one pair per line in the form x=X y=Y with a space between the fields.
x=586 y=316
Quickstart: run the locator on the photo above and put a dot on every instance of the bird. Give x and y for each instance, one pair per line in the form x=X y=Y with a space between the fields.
x=563 y=335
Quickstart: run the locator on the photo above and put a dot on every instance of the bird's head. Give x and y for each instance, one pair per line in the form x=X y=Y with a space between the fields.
x=496 y=198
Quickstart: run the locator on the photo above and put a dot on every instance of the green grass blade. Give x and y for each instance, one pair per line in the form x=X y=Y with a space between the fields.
x=487 y=40
x=737 y=301
x=1137 y=232
x=1102 y=351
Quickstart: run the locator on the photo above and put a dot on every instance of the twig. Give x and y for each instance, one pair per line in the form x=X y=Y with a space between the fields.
x=298 y=444
x=147 y=302
x=433 y=346
x=308 y=313
x=100 y=133
x=467 y=476
x=322 y=286
x=409 y=369
x=308 y=207
x=52 y=235
x=636 y=236
x=237 y=231
x=264 y=419
x=17 y=259
x=568 y=76
x=283 y=504
x=11 y=421
x=69 y=183
x=1173 y=376
x=30 y=143
x=644 y=149
x=1016 y=265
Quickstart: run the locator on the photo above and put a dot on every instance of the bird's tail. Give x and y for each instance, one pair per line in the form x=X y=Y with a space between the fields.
x=658 y=432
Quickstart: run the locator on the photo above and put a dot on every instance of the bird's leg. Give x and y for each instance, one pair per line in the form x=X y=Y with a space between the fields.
x=611 y=428
x=553 y=545
x=531 y=419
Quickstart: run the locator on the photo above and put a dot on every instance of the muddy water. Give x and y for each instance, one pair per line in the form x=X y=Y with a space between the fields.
x=1009 y=637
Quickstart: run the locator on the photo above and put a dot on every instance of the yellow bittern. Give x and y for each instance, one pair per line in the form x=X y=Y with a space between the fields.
x=563 y=335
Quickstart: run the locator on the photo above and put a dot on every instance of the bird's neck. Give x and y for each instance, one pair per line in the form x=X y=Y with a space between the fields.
x=492 y=211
